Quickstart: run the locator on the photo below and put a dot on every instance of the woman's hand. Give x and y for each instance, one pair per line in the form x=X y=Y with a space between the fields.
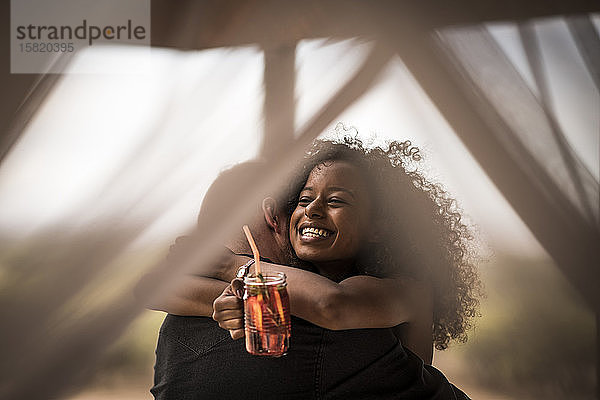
x=228 y=309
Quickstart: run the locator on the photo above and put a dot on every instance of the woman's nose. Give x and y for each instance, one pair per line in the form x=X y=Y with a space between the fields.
x=314 y=209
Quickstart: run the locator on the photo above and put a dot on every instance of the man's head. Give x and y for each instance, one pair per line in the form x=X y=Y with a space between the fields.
x=270 y=219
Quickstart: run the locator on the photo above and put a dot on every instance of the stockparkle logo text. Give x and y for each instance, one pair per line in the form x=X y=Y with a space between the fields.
x=82 y=32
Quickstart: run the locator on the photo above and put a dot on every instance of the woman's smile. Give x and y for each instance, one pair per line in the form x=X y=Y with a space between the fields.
x=312 y=233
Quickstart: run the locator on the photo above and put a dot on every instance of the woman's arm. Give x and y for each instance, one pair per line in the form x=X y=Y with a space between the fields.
x=194 y=296
x=188 y=295
x=356 y=302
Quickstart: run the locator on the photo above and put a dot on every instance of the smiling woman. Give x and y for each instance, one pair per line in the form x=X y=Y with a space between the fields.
x=367 y=211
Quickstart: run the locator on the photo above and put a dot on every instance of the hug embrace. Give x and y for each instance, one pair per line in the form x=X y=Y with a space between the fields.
x=377 y=264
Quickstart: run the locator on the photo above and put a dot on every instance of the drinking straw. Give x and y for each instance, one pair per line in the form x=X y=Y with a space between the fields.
x=254 y=249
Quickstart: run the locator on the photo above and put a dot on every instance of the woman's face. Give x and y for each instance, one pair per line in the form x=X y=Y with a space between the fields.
x=332 y=217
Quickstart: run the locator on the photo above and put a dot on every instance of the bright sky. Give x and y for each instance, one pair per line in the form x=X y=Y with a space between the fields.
x=146 y=145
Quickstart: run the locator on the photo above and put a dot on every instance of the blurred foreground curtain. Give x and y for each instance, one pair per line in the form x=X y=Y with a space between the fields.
x=564 y=214
x=533 y=137
x=43 y=356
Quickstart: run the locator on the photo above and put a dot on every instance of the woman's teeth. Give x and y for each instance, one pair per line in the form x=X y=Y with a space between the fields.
x=315 y=232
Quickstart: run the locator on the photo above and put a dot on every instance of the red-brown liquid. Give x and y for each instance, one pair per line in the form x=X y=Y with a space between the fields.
x=267 y=318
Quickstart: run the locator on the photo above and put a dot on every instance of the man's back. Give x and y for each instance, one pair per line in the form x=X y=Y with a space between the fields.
x=198 y=360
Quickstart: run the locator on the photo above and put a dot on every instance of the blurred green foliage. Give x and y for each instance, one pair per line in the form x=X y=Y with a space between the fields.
x=536 y=338
x=132 y=356
x=54 y=287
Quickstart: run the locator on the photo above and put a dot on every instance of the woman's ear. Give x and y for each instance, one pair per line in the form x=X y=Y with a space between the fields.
x=269 y=207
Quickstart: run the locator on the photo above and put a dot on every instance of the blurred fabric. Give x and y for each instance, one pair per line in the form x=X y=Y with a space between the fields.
x=223 y=96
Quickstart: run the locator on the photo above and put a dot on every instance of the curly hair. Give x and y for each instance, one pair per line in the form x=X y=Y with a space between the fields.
x=422 y=230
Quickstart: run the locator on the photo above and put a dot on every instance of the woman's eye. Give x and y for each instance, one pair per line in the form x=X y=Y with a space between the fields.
x=336 y=201
x=304 y=201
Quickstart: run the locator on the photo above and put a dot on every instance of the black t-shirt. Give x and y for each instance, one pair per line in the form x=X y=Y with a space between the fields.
x=196 y=359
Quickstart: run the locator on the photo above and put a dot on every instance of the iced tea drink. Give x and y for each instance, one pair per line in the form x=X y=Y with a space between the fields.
x=267 y=314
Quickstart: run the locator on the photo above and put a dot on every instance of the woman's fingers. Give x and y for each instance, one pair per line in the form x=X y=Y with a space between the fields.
x=230 y=319
x=237 y=333
x=232 y=324
x=228 y=311
x=227 y=301
x=228 y=314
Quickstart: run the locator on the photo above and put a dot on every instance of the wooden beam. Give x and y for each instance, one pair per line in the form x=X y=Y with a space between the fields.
x=14 y=87
x=22 y=93
x=191 y=24
x=587 y=40
x=279 y=103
